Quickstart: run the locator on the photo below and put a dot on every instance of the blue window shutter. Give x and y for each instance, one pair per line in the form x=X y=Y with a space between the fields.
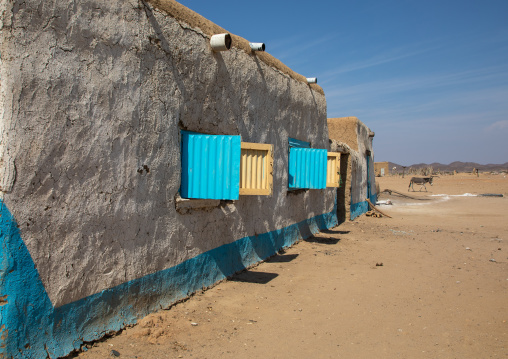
x=293 y=142
x=307 y=168
x=210 y=166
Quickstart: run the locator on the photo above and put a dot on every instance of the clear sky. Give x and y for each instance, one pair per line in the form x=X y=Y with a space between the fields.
x=430 y=78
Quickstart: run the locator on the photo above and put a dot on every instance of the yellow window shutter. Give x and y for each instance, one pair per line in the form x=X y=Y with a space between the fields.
x=256 y=169
x=332 y=169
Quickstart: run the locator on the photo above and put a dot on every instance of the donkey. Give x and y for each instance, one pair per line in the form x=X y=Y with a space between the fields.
x=421 y=181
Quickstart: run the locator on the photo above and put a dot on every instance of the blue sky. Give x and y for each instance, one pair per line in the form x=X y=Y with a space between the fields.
x=430 y=78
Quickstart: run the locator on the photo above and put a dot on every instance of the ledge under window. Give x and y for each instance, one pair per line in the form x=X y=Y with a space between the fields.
x=185 y=205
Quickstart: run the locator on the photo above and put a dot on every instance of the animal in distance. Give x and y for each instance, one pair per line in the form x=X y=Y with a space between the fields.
x=421 y=181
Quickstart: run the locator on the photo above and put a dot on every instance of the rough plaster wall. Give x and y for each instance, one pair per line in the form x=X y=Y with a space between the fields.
x=7 y=165
x=345 y=130
x=344 y=191
x=355 y=134
x=195 y=20
x=93 y=100
x=344 y=204
x=359 y=178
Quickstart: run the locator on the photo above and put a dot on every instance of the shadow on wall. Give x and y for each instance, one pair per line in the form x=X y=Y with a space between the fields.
x=342 y=193
x=29 y=323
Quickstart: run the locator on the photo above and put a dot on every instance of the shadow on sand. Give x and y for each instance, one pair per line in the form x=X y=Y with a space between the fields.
x=254 y=277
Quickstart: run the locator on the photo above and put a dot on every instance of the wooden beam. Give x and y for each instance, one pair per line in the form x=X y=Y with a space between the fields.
x=375 y=209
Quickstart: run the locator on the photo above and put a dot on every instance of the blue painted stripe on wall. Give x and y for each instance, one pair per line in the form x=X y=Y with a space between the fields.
x=23 y=316
x=28 y=317
x=357 y=209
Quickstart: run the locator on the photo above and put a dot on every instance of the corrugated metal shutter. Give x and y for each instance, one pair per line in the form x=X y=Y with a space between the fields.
x=210 y=166
x=256 y=169
x=293 y=142
x=307 y=168
x=332 y=169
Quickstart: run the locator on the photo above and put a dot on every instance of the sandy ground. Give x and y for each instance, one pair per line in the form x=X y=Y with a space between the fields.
x=431 y=282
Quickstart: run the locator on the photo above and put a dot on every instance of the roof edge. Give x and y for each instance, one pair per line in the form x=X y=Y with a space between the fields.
x=193 y=19
x=350 y=119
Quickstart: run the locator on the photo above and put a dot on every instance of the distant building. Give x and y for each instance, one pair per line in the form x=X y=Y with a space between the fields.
x=353 y=139
x=381 y=169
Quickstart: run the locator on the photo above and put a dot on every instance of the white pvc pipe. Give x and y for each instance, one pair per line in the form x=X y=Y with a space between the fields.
x=221 y=42
x=312 y=80
x=257 y=46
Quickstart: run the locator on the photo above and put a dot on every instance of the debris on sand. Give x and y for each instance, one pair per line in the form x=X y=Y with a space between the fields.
x=396 y=232
x=490 y=195
x=373 y=214
x=373 y=208
x=399 y=193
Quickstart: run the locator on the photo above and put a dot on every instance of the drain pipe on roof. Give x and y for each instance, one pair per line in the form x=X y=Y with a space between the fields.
x=221 y=42
x=257 y=46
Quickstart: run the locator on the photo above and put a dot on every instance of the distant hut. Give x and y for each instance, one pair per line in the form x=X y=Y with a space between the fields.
x=381 y=169
x=353 y=139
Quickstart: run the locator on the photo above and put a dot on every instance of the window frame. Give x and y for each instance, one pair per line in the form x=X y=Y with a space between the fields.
x=211 y=167
x=333 y=169
x=264 y=183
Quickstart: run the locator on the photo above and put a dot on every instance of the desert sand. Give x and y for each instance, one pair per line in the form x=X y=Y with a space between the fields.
x=430 y=282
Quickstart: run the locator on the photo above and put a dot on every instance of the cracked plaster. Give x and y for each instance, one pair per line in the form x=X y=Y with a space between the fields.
x=95 y=91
